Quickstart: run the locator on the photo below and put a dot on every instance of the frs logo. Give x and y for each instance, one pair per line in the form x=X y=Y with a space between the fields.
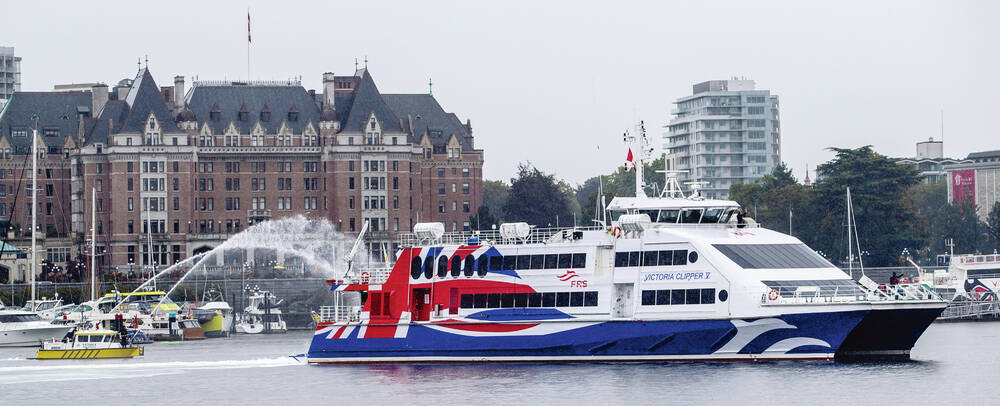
x=573 y=283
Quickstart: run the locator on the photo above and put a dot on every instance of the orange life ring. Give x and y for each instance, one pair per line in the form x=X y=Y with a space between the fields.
x=365 y=275
x=772 y=295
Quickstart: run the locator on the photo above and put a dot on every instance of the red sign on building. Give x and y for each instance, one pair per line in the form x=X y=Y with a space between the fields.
x=963 y=186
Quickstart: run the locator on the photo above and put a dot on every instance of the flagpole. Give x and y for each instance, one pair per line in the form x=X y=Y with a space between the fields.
x=249 y=40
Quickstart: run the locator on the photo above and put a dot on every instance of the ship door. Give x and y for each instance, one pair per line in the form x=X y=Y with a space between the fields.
x=421 y=305
x=623 y=305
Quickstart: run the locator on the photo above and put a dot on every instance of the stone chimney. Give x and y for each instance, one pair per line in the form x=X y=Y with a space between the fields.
x=99 y=97
x=328 y=89
x=178 y=93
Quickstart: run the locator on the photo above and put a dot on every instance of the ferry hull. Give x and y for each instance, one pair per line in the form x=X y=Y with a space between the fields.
x=810 y=336
x=888 y=333
x=96 y=353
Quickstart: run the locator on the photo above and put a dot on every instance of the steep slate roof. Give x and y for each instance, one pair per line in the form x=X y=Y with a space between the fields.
x=231 y=98
x=145 y=97
x=98 y=129
x=54 y=109
x=427 y=116
x=366 y=100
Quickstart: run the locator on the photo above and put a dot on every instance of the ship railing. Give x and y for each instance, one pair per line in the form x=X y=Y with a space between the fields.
x=373 y=276
x=537 y=236
x=971 y=309
x=337 y=314
x=810 y=295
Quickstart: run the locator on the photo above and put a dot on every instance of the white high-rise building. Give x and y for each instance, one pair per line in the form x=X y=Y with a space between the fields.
x=724 y=133
x=10 y=74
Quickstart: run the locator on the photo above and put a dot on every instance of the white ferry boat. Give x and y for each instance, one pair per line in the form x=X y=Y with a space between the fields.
x=669 y=278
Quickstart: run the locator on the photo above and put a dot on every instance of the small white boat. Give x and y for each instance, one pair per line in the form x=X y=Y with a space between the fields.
x=261 y=315
x=26 y=329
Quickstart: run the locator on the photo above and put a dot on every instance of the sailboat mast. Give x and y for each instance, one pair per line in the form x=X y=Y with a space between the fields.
x=850 y=242
x=34 y=206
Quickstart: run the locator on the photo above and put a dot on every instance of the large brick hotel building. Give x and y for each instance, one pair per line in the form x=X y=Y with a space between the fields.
x=205 y=163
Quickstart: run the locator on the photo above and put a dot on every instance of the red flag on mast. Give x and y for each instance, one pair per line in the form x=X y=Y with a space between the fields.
x=629 y=158
x=249 y=39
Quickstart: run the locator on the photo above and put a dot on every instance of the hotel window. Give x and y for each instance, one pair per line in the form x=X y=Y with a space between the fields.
x=465 y=188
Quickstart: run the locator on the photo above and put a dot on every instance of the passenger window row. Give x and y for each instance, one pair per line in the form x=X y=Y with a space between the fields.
x=537 y=299
x=480 y=266
x=654 y=258
x=678 y=296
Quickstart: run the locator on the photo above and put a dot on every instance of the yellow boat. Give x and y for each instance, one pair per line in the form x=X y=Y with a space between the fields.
x=90 y=344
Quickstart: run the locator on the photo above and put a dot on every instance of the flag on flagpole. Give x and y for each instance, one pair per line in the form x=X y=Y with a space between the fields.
x=249 y=39
x=629 y=159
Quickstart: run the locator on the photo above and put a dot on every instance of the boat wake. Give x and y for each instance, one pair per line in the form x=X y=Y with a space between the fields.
x=77 y=371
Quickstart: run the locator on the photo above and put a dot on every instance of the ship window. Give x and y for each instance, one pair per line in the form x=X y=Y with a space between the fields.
x=480 y=301
x=549 y=299
x=680 y=257
x=493 y=300
x=523 y=262
x=537 y=261
x=633 y=258
x=707 y=296
x=773 y=256
x=481 y=265
x=576 y=299
x=649 y=258
x=691 y=215
x=520 y=300
x=562 y=299
x=467 y=301
x=496 y=262
x=415 y=268
x=470 y=265
x=82 y=339
x=565 y=260
x=667 y=216
x=508 y=262
x=507 y=300
x=580 y=260
x=648 y=297
x=442 y=266
x=666 y=257
x=551 y=260
x=456 y=266
x=429 y=267
x=712 y=216
x=693 y=296
x=535 y=300
x=693 y=257
x=723 y=295
x=590 y=298
x=677 y=297
x=663 y=297
x=621 y=259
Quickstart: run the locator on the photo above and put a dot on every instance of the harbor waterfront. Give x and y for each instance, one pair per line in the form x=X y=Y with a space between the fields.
x=948 y=362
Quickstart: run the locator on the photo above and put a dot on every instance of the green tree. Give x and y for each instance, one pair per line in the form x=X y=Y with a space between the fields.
x=483 y=220
x=773 y=200
x=959 y=223
x=620 y=183
x=882 y=208
x=993 y=225
x=494 y=197
x=536 y=198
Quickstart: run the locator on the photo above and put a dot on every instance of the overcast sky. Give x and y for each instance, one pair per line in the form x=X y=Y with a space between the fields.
x=557 y=83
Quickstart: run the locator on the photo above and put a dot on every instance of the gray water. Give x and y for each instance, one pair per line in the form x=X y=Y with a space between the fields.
x=953 y=363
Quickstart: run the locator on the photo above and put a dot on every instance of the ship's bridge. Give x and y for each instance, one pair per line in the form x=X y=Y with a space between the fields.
x=676 y=210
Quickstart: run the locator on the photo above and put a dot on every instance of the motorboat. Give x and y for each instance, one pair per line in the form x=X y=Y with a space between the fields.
x=27 y=329
x=89 y=344
x=261 y=315
x=47 y=308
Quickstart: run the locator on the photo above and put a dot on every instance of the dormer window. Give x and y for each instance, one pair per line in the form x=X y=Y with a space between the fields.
x=371 y=124
x=265 y=116
x=293 y=116
x=214 y=116
x=244 y=116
